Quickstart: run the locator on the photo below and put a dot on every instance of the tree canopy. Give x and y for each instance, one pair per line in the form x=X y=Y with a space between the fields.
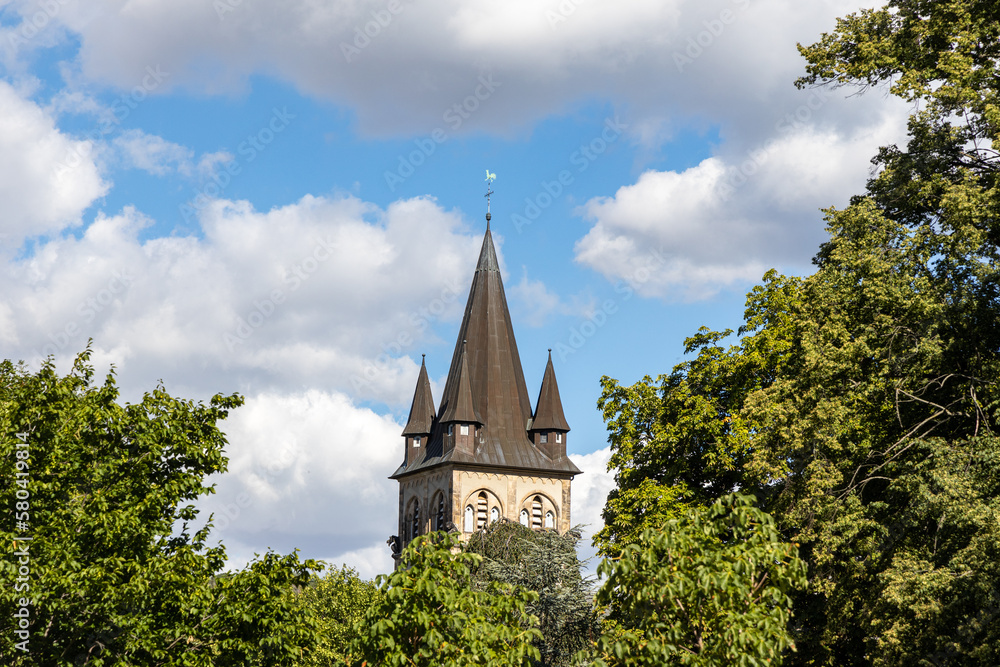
x=545 y=563
x=339 y=600
x=431 y=614
x=859 y=405
x=711 y=588
x=117 y=569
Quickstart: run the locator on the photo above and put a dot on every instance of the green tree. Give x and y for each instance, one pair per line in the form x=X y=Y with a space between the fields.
x=711 y=588
x=866 y=422
x=432 y=614
x=684 y=439
x=339 y=600
x=546 y=563
x=118 y=573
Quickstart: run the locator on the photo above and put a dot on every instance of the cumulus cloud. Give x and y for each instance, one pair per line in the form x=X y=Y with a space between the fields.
x=684 y=235
x=47 y=179
x=590 y=492
x=332 y=293
x=308 y=470
x=704 y=57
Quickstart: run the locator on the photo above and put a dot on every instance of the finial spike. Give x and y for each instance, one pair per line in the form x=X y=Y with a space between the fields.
x=490 y=177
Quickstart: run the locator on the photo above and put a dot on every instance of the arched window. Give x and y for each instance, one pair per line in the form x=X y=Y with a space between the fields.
x=439 y=514
x=536 y=512
x=550 y=520
x=482 y=509
x=524 y=517
x=411 y=523
x=469 y=520
x=494 y=515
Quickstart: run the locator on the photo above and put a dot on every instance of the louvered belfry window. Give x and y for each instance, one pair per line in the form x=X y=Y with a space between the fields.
x=439 y=517
x=536 y=512
x=482 y=510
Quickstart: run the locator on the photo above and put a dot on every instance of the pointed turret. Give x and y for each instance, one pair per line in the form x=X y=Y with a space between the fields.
x=486 y=375
x=420 y=425
x=462 y=409
x=460 y=420
x=548 y=426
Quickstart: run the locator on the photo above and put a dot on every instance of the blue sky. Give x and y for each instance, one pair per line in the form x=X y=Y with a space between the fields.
x=286 y=200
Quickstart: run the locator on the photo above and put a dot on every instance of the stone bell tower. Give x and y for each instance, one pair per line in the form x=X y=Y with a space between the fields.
x=484 y=454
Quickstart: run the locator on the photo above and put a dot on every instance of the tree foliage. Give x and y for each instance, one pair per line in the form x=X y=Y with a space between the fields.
x=683 y=439
x=711 y=588
x=432 y=614
x=860 y=403
x=119 y=572
x=546 y=563
x=339 y=600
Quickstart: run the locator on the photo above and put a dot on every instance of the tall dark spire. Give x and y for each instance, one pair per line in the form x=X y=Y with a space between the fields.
x=486 y=374
x=421 y=421
x=499 y=392
x=548 y=410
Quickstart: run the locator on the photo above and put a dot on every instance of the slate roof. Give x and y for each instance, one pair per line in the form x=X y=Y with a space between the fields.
x=421 y=421
x=487 y=352
x=461 y=408
x=548 y=410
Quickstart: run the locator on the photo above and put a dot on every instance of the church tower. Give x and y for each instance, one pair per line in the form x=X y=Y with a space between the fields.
x=484 y=454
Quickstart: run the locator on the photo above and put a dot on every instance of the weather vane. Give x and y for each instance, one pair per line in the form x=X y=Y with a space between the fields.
x=489 y=190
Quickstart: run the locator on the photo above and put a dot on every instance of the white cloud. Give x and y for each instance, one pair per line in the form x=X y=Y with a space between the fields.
x=332 y=293
x=47 y=179
x=545 y=56
x=590 y=492
x=685 y=235
x=152 y=153
x=308 y=470
x=368 y=561
x=208 y=162
x=535 y=303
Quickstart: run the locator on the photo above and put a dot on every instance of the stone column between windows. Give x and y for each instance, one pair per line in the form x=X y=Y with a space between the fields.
x=512 y=497
x=457 y=508
x=564 y=517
